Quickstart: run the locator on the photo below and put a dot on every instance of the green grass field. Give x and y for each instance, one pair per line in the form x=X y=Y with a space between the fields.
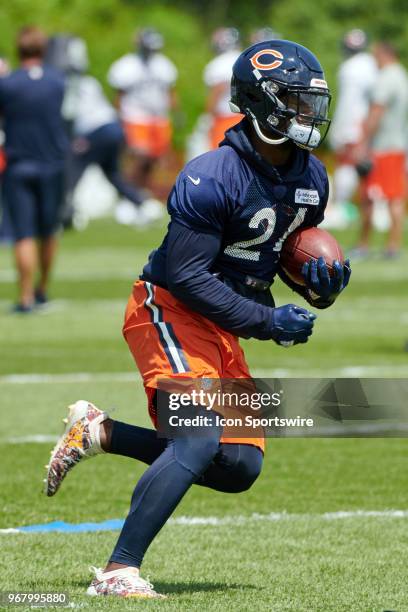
x=300 y=559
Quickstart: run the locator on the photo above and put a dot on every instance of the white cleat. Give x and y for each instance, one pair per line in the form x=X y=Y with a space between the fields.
x=149 y=211
x=80 y=440
x=124 y=582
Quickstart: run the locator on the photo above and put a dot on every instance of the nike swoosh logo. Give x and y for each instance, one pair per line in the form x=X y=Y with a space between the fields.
x=195 y=181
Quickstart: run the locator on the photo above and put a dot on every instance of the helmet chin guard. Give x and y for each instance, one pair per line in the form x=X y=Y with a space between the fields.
x=303 y=135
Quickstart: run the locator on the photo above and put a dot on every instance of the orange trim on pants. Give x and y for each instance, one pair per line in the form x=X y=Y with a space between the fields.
x=222 y=123
x=151 y=137
x=3 y=162
x=168 y=340
x=387 y=179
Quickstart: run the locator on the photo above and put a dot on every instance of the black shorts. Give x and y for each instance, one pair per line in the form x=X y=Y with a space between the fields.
x=33 y=196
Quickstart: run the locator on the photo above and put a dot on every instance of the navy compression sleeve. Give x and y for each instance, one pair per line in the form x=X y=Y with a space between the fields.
x=190 y=256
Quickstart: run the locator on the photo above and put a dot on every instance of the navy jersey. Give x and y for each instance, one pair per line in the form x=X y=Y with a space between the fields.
x=30 y=103
x=239 y=209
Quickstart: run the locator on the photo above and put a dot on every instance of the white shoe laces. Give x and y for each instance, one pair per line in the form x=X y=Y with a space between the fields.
x=127 y=579
x=138 y=581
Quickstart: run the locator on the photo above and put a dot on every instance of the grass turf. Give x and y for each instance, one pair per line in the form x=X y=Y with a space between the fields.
x=300 y=564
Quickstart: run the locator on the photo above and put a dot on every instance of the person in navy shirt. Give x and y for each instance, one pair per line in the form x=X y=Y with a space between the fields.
x=209 y=284
x=35 y=148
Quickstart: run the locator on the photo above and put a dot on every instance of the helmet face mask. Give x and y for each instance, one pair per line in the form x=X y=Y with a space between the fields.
x=305 y=116
x=283 y=108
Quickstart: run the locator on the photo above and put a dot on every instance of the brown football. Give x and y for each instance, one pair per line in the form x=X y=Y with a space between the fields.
x=304 y=244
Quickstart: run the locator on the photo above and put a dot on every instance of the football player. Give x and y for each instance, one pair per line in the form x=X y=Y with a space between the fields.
x=35 y=148
x=207 y=285
x=145 y=81
x=217 y=77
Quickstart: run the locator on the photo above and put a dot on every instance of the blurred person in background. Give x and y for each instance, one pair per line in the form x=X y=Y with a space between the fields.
x=145 y=80
x=35 y=145
x=4 y=66
x=355 y=79
x=262 y=34
x=383 y=142
x=217 y=116
x=5 y=226
x=217 y=77
x=97 y=136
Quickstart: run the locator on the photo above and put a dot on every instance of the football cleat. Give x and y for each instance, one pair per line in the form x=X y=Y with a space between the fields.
x=80 y=440
x=124 y=582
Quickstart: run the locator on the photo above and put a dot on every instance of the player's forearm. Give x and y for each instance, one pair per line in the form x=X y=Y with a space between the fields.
x=207 y=295
x=190 y=257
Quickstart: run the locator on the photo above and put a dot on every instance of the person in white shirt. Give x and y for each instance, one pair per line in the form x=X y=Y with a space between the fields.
x=356 y=77
x=96 y=134
x=262 y=34
x=383 y=141
x=98 y=138
x=145 y=82
x=217 y=77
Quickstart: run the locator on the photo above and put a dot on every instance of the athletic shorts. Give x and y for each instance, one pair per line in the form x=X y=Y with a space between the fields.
x=387 y=179
x=168 y=340
x=33 y=196
x=222 y=123
x=151 y=137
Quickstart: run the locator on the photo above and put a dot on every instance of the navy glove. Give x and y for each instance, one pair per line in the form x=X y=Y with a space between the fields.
x=319 y=282
x=292 y=325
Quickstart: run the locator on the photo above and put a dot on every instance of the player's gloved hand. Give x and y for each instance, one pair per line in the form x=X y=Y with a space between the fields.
x=319 y=282
x=292 y=324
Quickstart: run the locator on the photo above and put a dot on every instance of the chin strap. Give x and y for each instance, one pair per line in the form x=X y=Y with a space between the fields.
x=272 y=141
x=305 y=138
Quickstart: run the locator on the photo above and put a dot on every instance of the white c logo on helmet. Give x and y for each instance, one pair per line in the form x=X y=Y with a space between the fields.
x=271 y=65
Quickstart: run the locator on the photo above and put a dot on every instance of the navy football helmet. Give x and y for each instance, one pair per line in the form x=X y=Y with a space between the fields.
x=280 y=86
x=149 y=40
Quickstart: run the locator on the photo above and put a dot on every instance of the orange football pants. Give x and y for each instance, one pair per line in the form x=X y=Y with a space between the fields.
x=151 y=138
x=222 y=123
x=170 y=341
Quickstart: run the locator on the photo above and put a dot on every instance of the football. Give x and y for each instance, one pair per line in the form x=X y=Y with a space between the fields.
x=304 y=244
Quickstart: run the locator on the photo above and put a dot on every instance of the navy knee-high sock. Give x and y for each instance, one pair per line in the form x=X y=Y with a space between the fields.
x=136 y=442
x=160 y=490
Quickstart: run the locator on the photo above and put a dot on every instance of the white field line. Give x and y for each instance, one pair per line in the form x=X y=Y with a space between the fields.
x=285 y=516
x=273 y=517
x=31 y=439
x=361 y=270
x=62 y=305
x=358 y=371
x=7 y=276
x=353 y=371
x=74 y=378
x=359 y=306
x=353 y=430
